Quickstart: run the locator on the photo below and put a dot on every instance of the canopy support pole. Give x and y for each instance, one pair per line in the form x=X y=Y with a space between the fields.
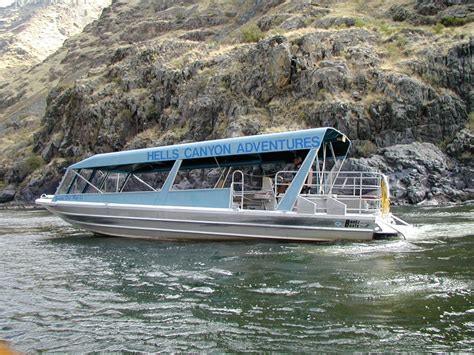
x=171 y=176
x=288 y=201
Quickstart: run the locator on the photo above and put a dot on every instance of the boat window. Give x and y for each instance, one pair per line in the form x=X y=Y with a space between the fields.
x=113 y=182
x=151 y=181
x=80 y=181
x=66 y=182
x=99 y=181
x=95 y=181
x=209 y=178
x=193 y=179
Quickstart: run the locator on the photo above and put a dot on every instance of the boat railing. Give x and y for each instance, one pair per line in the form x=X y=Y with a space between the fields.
x=237 y=188
x=248 y=195
x=361 y=191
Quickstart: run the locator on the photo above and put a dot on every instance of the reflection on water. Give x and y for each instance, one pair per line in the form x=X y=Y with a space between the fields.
x=66 y=290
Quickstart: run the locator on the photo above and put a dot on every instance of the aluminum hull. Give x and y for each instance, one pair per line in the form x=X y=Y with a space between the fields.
x=181 y=223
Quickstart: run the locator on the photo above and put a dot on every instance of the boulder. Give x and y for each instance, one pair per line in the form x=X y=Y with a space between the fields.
x=8 y=193
x=430 y=7
x=462 y=146
x=329 y=21
x=42 y=181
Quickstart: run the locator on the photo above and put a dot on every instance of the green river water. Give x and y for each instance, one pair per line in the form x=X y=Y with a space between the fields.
x=66 y=290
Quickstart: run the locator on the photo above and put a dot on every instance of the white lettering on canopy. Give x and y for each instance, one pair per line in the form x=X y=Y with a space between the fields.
x=212 y=150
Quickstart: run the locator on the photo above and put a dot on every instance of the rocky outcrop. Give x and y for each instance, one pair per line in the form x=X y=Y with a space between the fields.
x=210 y=94
x=462 y=147
x=43 y=181
x=453 y=70
x=430 y=12
x=433 y=7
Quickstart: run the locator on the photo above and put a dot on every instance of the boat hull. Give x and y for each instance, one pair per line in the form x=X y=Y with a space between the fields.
x=179 y=223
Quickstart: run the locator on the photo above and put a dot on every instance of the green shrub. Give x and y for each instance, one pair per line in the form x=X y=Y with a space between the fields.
x=444 y=143
x=386 y=29
x=124 y=117
x=401 y=41
x=359 y=23
x=308 y=21
x=27 y=165
x=430 y=79
x=33 y=162
x=470 y=121
x=117 y=80
x=438 y=28
x=324 y=93
x=366 y=149
x=251 y=33
x=180 y=17
x=202 y=83
x=452 y=21
x=393 y=51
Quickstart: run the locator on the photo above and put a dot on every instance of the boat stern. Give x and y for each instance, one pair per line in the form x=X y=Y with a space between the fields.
x=391 y=226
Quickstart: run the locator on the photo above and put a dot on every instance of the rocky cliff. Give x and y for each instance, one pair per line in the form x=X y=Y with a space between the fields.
x=397 y=79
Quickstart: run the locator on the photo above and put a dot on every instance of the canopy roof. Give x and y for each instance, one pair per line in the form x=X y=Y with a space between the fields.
x=257 y=145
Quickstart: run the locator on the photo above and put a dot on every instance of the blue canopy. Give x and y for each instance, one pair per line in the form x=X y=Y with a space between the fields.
x=258 y=144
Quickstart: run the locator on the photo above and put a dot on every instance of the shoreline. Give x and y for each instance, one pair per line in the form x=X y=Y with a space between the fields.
x=26 y=207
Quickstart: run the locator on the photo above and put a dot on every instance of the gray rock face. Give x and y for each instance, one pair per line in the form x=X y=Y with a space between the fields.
x=462 y=147
x=419 y=172
x=430 y=12
x=432 y=7
x=270 y=63
x=455 y=70
x=328 y=22
x=8 y=193
x=42 y=181
x=411 y=110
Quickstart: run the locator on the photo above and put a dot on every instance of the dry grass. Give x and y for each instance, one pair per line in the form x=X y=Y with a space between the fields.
x=291 y=35
x=223 y=49
x=470 y=122
x=16 y=144
x=289 y=126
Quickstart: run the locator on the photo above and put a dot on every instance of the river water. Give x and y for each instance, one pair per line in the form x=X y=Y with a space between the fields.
x=65 y=290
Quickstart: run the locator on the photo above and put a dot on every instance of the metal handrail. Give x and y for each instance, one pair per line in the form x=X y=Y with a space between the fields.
x=242 y=187
x=363 y=187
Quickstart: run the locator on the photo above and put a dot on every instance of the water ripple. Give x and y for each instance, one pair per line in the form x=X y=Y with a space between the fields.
x=64 y=290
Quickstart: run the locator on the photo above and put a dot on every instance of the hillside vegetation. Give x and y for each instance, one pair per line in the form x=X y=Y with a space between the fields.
x=34 y=29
